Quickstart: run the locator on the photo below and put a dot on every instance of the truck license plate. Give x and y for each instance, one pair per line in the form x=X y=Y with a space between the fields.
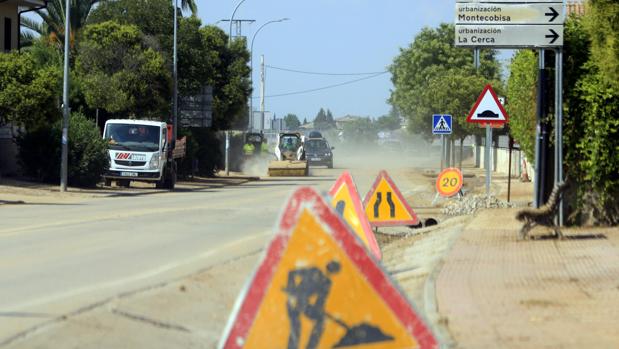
x=315 y=159
x=129 y=174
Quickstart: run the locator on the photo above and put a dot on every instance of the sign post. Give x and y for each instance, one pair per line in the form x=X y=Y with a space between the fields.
x=441 y=125
x=513 y=24
x=488 y=111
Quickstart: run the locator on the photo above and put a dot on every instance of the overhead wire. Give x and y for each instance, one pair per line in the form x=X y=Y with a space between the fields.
x=319 y=73
x=371 y=76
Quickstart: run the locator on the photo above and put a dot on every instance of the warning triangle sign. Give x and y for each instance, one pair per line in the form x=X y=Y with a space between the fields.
x=346 y=201
x=385 y=205
x=488 y=109
x=317 y=287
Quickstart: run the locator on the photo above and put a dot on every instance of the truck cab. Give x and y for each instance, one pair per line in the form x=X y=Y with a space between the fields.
x=139 y=150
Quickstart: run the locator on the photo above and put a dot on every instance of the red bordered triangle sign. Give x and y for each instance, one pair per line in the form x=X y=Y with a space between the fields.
x=385 y=205
x=346 y=201
x=318 y=287
x=488 y=109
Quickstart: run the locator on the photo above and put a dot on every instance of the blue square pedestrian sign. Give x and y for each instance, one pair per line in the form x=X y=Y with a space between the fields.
x=441 y=124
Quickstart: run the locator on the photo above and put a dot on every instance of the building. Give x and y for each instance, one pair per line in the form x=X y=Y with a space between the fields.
x=10 y=17
x=576 y=7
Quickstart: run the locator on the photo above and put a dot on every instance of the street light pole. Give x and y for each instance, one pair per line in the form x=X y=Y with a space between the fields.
x=251 y=69
x=232 y=18
x=64 y=161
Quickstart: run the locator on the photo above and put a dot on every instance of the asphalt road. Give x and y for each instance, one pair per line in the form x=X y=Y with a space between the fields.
x=58 y=258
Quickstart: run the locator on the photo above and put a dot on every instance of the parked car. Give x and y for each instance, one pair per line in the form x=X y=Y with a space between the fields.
x=318 y=152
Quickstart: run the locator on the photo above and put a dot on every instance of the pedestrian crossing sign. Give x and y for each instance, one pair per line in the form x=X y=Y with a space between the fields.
x=347 y=203
x=385 y=205
x=318 y=287
x=441 y=124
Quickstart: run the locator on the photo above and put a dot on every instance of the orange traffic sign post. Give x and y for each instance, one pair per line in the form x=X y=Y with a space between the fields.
x=347 y=202
x=385 y=205
x=449 y=182
x=317 y=287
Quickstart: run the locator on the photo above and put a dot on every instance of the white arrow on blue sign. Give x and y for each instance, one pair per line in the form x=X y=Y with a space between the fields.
x=441 y=124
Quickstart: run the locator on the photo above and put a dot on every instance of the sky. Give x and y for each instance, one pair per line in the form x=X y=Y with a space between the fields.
x=328 y=36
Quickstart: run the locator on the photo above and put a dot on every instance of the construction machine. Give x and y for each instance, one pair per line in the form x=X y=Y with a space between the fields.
x=290 y=156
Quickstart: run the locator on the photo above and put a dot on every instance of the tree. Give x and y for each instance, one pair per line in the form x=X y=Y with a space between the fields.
x=304 y=121
x=521 y=94
x=29 y=95
x=120 y=73
x=591 y=130
x=53 y=17
x=330 y=119
x=292 y=121
x=602 y=25
x=432 y=55
x=360 y=131
x=154 y=18
x=320 y=121
x=204 y=56
x=390 y=121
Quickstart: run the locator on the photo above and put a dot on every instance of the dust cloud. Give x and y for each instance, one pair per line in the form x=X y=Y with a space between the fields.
x=257 y=166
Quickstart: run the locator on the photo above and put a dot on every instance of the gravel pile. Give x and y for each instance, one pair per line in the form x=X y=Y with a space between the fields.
x=471 y=204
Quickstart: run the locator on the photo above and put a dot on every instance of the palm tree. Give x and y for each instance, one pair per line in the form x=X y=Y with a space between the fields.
x=54 y=19
x=189 y=5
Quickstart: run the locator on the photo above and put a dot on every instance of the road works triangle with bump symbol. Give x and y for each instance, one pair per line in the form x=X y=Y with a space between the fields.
x=385 y=205
x=318 y=287
x=488 y=109
x=347 y=202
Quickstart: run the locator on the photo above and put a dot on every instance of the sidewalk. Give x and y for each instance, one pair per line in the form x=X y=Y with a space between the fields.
x=495 y=291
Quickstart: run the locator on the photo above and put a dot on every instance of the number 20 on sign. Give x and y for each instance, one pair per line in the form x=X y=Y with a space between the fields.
x=449 y=182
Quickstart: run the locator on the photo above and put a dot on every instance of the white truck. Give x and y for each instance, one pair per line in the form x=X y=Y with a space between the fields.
x=141 y=150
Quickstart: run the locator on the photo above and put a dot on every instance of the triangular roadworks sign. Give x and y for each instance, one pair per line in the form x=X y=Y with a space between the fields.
x=346 y=201
x=385 y=205
x=488 y=109
x=318 y=287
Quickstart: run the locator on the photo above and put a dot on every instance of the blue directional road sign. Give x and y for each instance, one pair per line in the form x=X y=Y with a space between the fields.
x=441 y=124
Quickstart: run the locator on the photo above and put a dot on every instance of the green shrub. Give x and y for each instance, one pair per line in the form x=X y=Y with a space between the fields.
x=39 y=152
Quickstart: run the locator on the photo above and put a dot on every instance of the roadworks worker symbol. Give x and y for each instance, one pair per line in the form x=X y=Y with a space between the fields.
x=449 y=182
x=385 y=205
x=347 y=203
x=317 y=287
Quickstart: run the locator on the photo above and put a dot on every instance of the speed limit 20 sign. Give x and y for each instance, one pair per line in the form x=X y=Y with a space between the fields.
x=449 y=182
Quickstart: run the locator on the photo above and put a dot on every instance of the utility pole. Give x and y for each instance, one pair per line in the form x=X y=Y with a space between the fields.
x=262 y=87
x=540 y=134
x=64 y=161
x=559 y=126
x=175 y=77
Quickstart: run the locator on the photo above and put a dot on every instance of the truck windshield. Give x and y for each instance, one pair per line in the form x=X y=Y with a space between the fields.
x=132 y=137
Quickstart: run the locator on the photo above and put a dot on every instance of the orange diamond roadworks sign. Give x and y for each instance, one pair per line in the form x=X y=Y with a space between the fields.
x=449 y=182
x=347 y=202
x=317 y=287
x=385 y=205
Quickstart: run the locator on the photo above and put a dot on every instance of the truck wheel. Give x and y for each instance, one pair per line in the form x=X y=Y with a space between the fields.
x=330 y=165
x=107 y=182
x=125 y=183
